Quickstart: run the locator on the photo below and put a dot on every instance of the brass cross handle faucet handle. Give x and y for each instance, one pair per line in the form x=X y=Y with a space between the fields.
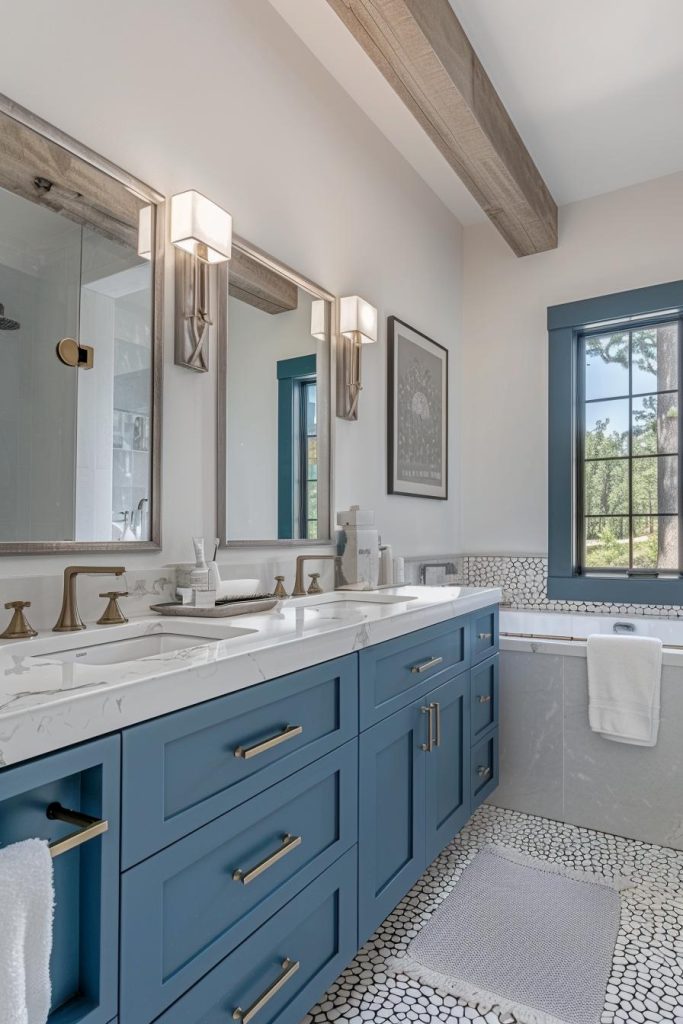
x=280 y=591
x=314 y=587
x=19 y=628
x=112 y=613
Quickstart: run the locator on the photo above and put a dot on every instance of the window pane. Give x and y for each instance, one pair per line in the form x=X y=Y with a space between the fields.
x=312 y=510
x=655 y=542
x=607 y=543
x=655 y=424
x=655 y=359
x=605 y=486
x=655 y=485
x=607 y=365
x=606 y=429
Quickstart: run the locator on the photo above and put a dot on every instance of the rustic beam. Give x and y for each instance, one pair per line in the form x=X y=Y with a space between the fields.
x=255 y=283
x=424 y=53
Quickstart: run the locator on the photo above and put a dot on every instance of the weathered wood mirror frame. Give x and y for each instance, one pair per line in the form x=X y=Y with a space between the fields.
x=325 y=391
x=89 y=190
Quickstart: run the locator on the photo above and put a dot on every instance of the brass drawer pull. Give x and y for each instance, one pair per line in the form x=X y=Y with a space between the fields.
x=288 y=733
x=485 y=698
x=437 y=709
x=88 y=828
x=426 y=665
x=289 y=969
x=289 y=843
x=484 y=636
x=484 y=771
x=428 y=709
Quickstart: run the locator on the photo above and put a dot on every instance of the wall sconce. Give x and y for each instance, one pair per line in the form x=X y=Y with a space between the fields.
x=202 y=233
x=318 y=319
x=357 y=327
x=145 y=233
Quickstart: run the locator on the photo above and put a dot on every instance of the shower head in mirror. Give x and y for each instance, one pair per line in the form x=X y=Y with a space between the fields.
x=7 y=324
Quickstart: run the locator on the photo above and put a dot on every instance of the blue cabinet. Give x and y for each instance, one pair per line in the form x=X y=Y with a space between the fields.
x=83 y=968
x=391 y=823
x=484 y=689
x=448 y=764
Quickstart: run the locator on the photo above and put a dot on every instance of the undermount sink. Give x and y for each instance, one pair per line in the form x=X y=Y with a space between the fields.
x=352 y=599
x=136 y=643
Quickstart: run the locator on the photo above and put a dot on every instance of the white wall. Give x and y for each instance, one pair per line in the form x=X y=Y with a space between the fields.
x=622 y=240
x=221 y=96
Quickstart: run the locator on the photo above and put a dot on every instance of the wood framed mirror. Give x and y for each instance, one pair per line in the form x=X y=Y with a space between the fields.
x=81 y=283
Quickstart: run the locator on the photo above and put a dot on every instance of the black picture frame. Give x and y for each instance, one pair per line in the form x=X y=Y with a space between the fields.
x=417 y=474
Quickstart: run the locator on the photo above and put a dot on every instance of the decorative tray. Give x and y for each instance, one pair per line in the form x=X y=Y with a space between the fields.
x=219 y=611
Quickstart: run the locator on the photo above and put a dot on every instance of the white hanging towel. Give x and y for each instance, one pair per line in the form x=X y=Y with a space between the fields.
x=624 y=683
x=26 y=908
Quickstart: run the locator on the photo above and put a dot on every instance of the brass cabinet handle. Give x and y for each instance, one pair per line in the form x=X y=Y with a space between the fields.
x=484 y=771
x=485 y=698
x=428 y=709
x=426 y=665
x=288 y=733
x=88 y=828
x=289 y=843
x=484 y=636
x=289 y=969
x=437 y=737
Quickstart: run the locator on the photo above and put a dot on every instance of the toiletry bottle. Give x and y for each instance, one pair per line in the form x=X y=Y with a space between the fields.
x=199 y=577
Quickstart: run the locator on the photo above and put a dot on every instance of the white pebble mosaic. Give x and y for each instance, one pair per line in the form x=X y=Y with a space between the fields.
x=647 y=972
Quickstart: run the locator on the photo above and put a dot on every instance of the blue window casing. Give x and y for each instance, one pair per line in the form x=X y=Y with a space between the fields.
x=565 y=325
x=290 y=374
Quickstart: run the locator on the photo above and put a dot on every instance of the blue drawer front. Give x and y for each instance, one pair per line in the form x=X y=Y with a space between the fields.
x=182 y=910
x=181 y=771
x=484 y=633
x=317 y=930
x=484 y=688
x=399 y=671
x=484 y=772
x=87 y=779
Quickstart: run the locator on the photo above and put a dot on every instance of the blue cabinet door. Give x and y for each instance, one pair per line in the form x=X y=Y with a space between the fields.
x=448 y=763
x=83 y=966
x=391 y=817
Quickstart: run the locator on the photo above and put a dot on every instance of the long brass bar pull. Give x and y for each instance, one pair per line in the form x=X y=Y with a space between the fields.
x=288 y=733
x=289 y=843
x=289 y=969
x=88 y=828
x=437 y=710
x=426 y=665
x=429 y=745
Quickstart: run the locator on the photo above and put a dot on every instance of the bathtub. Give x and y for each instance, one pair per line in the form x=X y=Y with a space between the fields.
x=565 y=633
x=552 y=764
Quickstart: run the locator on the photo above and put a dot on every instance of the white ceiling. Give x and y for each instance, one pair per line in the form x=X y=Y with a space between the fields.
x=595 y=88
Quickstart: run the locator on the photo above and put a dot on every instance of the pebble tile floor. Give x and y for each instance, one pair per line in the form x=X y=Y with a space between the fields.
x=647 y=969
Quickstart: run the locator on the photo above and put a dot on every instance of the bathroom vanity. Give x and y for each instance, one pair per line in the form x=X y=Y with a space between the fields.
x=269 y=797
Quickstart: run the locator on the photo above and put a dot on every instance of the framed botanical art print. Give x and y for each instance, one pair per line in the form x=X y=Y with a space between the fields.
x=417 y=413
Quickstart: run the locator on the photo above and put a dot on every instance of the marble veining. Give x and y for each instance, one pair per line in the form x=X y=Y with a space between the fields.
x=46 y=704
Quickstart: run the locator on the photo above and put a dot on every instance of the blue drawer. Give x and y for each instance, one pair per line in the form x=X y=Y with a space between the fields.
x=183 y=910
x=83 y=968
x=316 y=931
x=395 y=673
x=484 y=633
x=185 y=769
x=484 y=769
x=484 y=690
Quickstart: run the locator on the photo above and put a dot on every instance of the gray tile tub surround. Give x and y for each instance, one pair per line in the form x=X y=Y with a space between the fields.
x=552 y=764
x=523 y=579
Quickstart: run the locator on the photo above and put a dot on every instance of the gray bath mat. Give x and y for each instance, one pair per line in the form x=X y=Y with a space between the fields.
x=527 y=937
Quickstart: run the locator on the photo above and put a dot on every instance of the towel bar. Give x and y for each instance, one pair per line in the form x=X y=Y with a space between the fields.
x=88 y=828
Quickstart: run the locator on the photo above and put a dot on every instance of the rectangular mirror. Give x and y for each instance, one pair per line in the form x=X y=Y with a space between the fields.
x=81 y=253
x=274 y=405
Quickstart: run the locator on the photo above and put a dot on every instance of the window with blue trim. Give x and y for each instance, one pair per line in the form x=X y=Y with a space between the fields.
x=297 y=448
x=615 y=447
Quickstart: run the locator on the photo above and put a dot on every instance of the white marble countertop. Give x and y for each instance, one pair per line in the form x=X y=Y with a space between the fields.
x=47 y=704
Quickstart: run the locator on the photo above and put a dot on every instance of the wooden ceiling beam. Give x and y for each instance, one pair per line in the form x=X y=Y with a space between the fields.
x=424 y=53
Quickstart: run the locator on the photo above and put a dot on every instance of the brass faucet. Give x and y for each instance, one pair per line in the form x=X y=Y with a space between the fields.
x=299 y=590
x=69 y=619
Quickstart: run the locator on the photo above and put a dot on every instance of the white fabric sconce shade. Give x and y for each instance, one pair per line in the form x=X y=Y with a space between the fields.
x=318 y=326
x=145 y=233
x=357 y=319
x=200 y=227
